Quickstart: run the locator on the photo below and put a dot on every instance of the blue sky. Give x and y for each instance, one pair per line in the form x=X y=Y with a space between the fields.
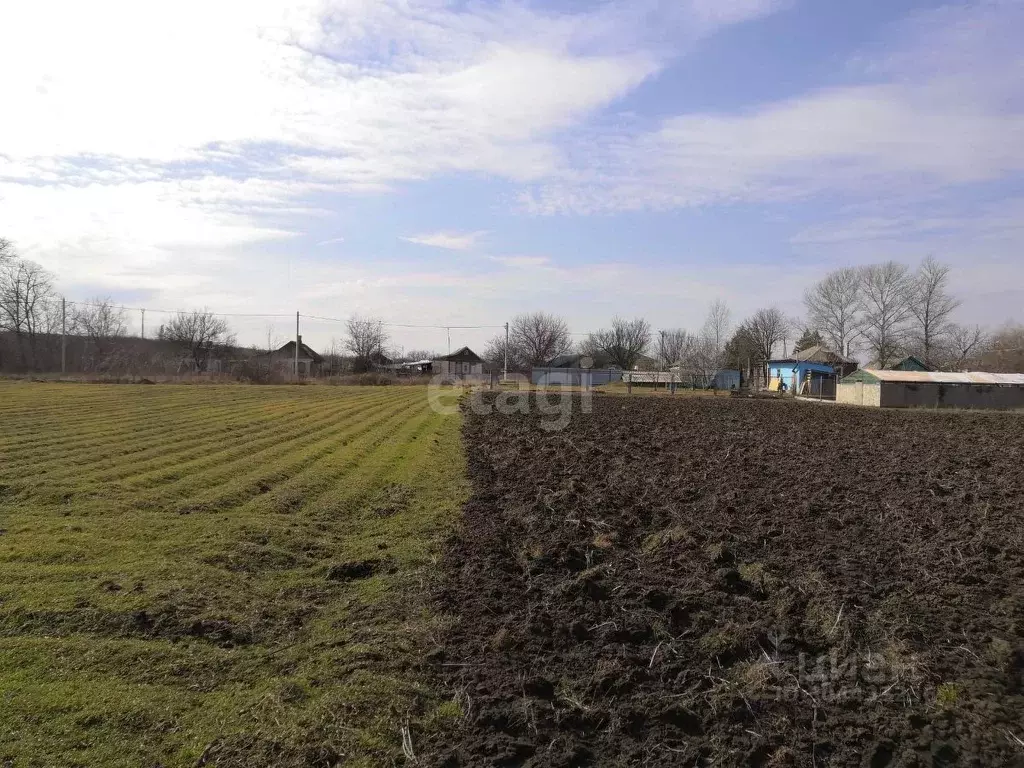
x=454 y=163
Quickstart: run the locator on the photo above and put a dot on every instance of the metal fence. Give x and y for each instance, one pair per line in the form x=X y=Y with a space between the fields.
x=574 y=377
x=721 y=379
x=820 y=386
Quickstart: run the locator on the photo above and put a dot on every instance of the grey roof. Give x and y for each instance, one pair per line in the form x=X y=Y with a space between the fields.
x=304 y=350
x=464 y=355
x=944 y=377
x=815 y=354
x=563 y=361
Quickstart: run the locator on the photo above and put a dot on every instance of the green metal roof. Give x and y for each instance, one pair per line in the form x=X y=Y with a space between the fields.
x=861 y=375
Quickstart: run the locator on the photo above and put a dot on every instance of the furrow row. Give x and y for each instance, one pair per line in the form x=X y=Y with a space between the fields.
x=211 y=431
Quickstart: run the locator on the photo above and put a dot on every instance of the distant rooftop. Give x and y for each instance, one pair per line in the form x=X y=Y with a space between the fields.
x=936 y=377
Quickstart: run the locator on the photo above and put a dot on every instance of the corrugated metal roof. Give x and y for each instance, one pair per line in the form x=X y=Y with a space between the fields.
x=944 y=377
x=816 y=354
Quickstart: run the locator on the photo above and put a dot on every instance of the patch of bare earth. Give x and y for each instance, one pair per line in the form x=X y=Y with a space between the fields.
x=720 y=583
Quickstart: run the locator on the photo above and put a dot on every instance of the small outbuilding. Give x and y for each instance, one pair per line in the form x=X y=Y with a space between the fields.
x=461 y=364
x=932 y=389
x=812 y=371
x=309 y=361
x=413 y=368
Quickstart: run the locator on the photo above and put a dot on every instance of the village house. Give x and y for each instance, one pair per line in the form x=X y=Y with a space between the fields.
x=463 y=364
x=309 y=363
x=812 y=371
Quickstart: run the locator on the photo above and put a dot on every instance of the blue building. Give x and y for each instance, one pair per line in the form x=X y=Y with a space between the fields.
x=812 y=371
x=793 y=373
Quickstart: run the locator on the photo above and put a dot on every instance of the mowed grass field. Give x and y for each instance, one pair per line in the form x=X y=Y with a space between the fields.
x=219 y=575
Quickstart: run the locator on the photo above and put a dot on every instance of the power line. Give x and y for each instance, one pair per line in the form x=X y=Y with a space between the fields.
x=409 y=325
x=126 y=308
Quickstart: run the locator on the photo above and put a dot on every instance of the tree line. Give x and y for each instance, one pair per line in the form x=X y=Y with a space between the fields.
x=882 y=312
x=38 y=332
x=536 y=339
x=889 y=311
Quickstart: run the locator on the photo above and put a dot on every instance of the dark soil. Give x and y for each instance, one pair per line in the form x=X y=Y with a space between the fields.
x=738 y=582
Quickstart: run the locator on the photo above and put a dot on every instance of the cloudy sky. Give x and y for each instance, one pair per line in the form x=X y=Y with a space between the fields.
x=454 y=163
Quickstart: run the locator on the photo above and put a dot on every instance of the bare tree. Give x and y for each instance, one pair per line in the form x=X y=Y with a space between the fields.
x=366 y=341
x=198 y=333
x=494 y=354
x=7 y=252
x=415 y=355
x=885 y=299
x=1005 y=352
x=274 y=341
x=931 y=307
x=261 y=365
x=716 y=329
x=767 y=328
x=623 y=343
x=26 y=303
x=963 y=344
x=675 y=345
x=833 y=306
x=336 y=361
x=537 y=337
x=704 y=360
x=533 y=340
x=102 y=323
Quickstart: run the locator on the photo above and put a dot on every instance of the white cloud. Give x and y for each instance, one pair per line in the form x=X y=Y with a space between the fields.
x=143 y=130
x=139 y=235
x=524 y=262
x=980 y=241
x=167 y=148
x=372 y=86
x=938 y=121
x=452 y=241
x=852 y=139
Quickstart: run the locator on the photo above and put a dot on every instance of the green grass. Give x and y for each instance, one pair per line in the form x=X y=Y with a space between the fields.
x=176 y=572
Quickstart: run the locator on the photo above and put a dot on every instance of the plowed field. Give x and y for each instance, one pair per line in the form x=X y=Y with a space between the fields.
x=694 y=582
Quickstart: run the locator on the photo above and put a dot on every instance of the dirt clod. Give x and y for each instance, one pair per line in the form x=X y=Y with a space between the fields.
x=357 y=569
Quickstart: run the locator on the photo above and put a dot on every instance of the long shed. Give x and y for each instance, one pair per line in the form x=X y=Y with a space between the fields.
x=932 y=389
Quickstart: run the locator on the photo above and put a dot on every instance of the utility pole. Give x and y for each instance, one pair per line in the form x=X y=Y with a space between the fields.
x=298 y=340
x=664 y=360
x=143 y=323
x=449 y=340
x=505 y=375
x=63 y=336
